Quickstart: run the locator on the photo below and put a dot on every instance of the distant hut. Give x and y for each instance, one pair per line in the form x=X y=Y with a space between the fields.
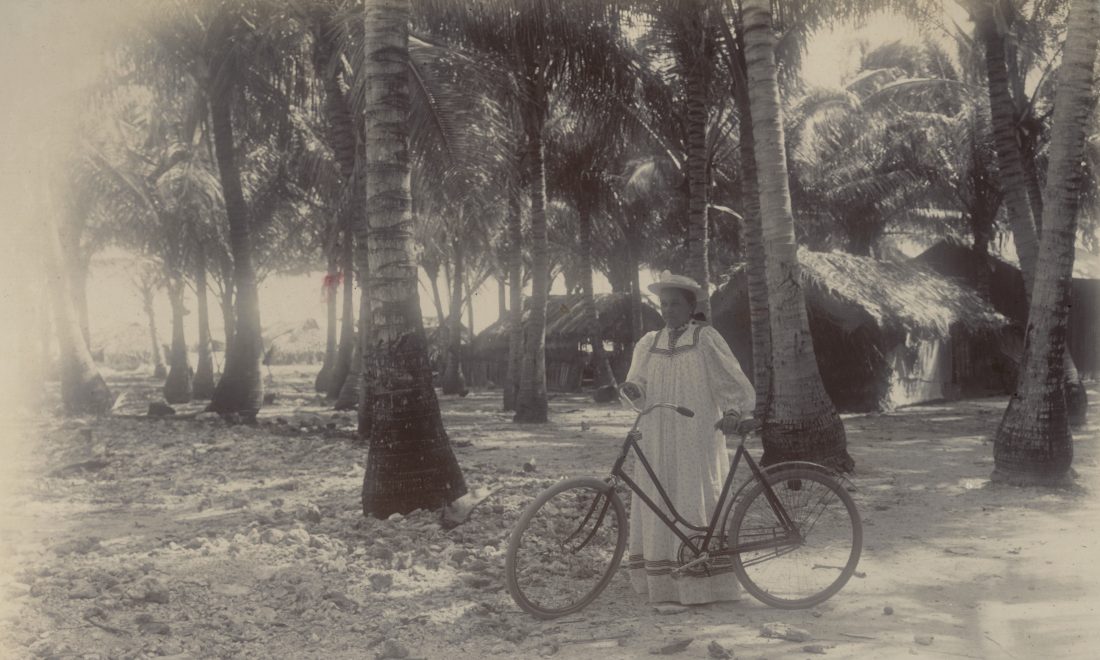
x=294 y=343
x=885 y=334
x=567 y=349
x=1005 y=287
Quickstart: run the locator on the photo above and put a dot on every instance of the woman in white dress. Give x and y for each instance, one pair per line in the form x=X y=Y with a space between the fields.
x=686 y=363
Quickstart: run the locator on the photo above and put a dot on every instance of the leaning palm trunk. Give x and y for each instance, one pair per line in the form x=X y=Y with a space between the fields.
x=531 y=402
x=342 y=366
x=801 y=422
x=1010 y=165
x=1016 y=182
x=515 y=312
x=1033 y=445
x=177 y=388
x=410 y=464
x=324 y=376
x=605 y=378
x=83 y=390
x=752 y=237
x=202 y=387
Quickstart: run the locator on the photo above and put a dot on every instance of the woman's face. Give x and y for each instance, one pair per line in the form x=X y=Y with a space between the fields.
x=675 y=308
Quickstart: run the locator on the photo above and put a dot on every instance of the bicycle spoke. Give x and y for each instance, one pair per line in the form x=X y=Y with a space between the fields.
x=565 y=549
x=787 y=572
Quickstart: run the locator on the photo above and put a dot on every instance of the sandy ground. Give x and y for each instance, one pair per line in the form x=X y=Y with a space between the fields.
x=127 y=537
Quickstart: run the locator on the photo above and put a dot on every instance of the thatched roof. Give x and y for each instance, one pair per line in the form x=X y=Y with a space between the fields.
x=902 y=296
x=852 y=290
x=565 y=319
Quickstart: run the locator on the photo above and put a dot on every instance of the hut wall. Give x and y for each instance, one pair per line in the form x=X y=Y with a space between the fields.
x=1084 y=327
x=852 y=367
x=982 y=363
x=922 y=371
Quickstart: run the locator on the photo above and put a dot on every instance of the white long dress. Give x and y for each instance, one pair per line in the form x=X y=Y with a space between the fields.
x=688 y=455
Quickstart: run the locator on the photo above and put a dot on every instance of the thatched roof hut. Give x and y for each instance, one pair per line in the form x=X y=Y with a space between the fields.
x=896 y=297
x=885 y=334
x=566 y=339
x=565 y=321
x=1003 y=285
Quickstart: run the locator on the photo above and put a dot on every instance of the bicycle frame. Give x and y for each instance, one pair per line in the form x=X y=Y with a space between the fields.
x=631 y=442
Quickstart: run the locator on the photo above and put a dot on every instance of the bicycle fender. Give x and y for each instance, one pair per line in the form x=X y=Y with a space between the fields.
x=817 y=467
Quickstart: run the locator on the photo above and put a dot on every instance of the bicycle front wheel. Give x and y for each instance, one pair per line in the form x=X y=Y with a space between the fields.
x=565 y=547
x=795 y=571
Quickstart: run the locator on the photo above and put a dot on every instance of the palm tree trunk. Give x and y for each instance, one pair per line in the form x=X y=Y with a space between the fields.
x=229 y=314
x=178 y=388
x=1016 y=184
x=1033 y=444
x=469 y=307
x=1009 y=161
x=348 y=398
x=410 y=464
x=324 y=377
x=240 y=389
x=515 y=312
x=83 y=390
x=502 y=300
x=801 y=422
x=431 y=268
x=756 y=269
x=202 y=387
x=453 y=380
x=531 y=402
x=79 y=276
x=605 y=378
x=159 y=370
x=342 y=366
x=698 y=239
x=635 y=264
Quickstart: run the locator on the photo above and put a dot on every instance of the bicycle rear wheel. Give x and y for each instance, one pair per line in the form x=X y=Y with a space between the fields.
x=565 y=547
x=804 y=570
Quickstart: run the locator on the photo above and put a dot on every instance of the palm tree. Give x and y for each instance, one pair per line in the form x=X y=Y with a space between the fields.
x=410 y=464
x=1033 y=444
x=1018 y=175
x=752 y=231
x=581 y=153
x=147 y=280
x=801 y=422
x=545 y=48
x=203 y=383
x=177 y=387
x=83 y=390
x=345 y=142
x=687 y=31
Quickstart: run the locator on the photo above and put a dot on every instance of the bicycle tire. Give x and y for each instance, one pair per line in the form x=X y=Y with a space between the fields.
x=755 y=519
x=535 y=580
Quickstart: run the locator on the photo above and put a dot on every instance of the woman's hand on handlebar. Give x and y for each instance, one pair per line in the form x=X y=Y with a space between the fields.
x=631 y=391
x=729 y=422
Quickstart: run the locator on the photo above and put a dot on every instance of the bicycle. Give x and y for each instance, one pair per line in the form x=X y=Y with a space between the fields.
x=786 y=523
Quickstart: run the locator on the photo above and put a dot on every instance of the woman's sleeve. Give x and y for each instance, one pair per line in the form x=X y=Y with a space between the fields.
x=639 y=361
x=729 y=386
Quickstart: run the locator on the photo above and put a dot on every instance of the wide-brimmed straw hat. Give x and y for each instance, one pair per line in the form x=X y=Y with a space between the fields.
x=669 y=281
